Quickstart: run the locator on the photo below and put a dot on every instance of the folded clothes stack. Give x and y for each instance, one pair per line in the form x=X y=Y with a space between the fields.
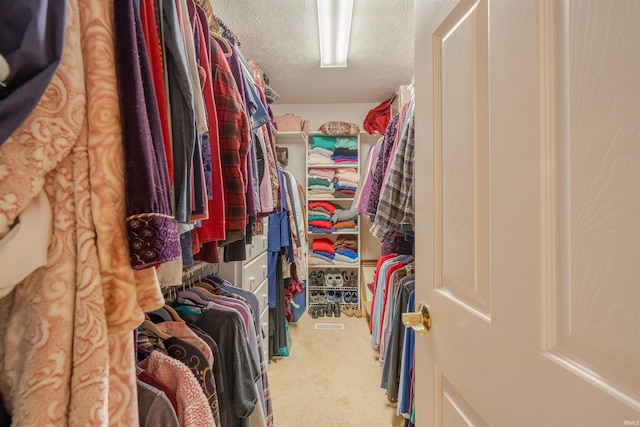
x=346 y=249
x=346 y=182
x=326 y=217
x=346 y=150
x=322 y=149
x=320 y=156
x=322 y=252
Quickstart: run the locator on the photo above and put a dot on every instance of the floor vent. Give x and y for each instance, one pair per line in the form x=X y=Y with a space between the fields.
x=330 y=326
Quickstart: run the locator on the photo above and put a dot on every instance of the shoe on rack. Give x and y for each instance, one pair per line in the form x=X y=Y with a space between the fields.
x=313 y=312
x=357 y=312
x=328 y=278
x=312 y=278
x=320 y=278
x=348 y=297
x=336 y=309
x=338 y=297
x=337 y=279
x=347 y=310
x=328 y=310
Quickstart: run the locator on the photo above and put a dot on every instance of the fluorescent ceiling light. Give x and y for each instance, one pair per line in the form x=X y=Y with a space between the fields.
x=334 y=25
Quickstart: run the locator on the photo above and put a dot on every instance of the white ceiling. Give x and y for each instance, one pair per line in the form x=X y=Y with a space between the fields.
x=282 y=37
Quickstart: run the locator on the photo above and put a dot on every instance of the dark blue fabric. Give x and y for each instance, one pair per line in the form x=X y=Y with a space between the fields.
x=31 y=41
x=187 y=253
x=279 y=238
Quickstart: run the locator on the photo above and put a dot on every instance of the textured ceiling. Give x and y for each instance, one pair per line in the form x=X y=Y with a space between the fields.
x=282 y=37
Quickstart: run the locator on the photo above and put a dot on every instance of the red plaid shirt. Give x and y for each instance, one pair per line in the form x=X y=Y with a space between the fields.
x=234 y=138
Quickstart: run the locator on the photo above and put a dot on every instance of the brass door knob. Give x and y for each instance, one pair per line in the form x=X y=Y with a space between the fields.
x=419 y=321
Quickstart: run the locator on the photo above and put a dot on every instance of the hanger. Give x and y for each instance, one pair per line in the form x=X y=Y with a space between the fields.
x=153 y=328
x=194 y=297
x=226 y=44
x=202 y=290
x=172 y=313
x=205 y=285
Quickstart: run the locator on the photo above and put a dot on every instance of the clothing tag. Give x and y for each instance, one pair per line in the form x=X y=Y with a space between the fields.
x=4 y=71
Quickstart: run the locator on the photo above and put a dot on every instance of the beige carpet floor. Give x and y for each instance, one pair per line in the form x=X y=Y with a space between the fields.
x=331 y=378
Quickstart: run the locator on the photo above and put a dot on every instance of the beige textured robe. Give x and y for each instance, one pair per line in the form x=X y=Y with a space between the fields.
x=66 y=348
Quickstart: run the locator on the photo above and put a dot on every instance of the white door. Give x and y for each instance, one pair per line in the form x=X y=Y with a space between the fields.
x=528 y=189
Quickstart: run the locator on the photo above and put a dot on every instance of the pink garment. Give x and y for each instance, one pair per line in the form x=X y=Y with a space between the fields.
x=363 y=197
x=348 y=176
x=326 y=173
x=193 y=408
x=182 y=331
x=266 y=199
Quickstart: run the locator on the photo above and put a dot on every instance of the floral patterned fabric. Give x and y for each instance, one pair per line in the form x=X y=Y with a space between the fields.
x=66 y=351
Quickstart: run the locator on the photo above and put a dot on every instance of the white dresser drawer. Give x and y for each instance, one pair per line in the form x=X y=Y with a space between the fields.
x=262 y=293
x=257 y=246
x=254 y=272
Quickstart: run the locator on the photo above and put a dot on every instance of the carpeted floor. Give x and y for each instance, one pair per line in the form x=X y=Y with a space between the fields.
x=331 y=378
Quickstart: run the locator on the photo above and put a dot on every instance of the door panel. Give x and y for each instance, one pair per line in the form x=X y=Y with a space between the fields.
x=527 y=164
x=595 y=230
x=460 y=82
x=456 y=410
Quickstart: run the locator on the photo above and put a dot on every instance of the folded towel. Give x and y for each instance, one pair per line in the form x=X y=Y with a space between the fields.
x=321 y=224
x=344 y=215
x=328 y=206
x=324 y=217
x=345 y=259
x=325 y=254
x=342 y=160
x=347 y=176
x=345 y=152
x=347 y=143
x=346 y=184
x=322 y=187
x=346 y=242
x=326 y=173
x=319 y=210
x=315 y=159
x=313 y=229
x=323 y=244
x=349 y=254
x=323 y=141
x=319 y=151
x=319 y=181
x=324 y=259
x=317 y=260
x=345 y=224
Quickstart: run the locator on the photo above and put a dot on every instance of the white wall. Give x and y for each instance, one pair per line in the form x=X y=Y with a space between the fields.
x=318 y=114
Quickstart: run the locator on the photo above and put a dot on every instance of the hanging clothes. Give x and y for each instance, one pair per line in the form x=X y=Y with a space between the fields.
x=153 y=232
x=395 y=207
x=33 y=35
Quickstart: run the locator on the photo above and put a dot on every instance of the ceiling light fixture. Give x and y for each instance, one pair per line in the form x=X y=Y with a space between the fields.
x=334 y=25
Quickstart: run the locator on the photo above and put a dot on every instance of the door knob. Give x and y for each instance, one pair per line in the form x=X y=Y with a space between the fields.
x=419 y=321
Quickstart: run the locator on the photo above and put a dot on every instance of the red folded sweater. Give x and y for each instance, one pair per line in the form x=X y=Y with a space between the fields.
x=330 y=207
x=321 y=223
x=325 y=245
